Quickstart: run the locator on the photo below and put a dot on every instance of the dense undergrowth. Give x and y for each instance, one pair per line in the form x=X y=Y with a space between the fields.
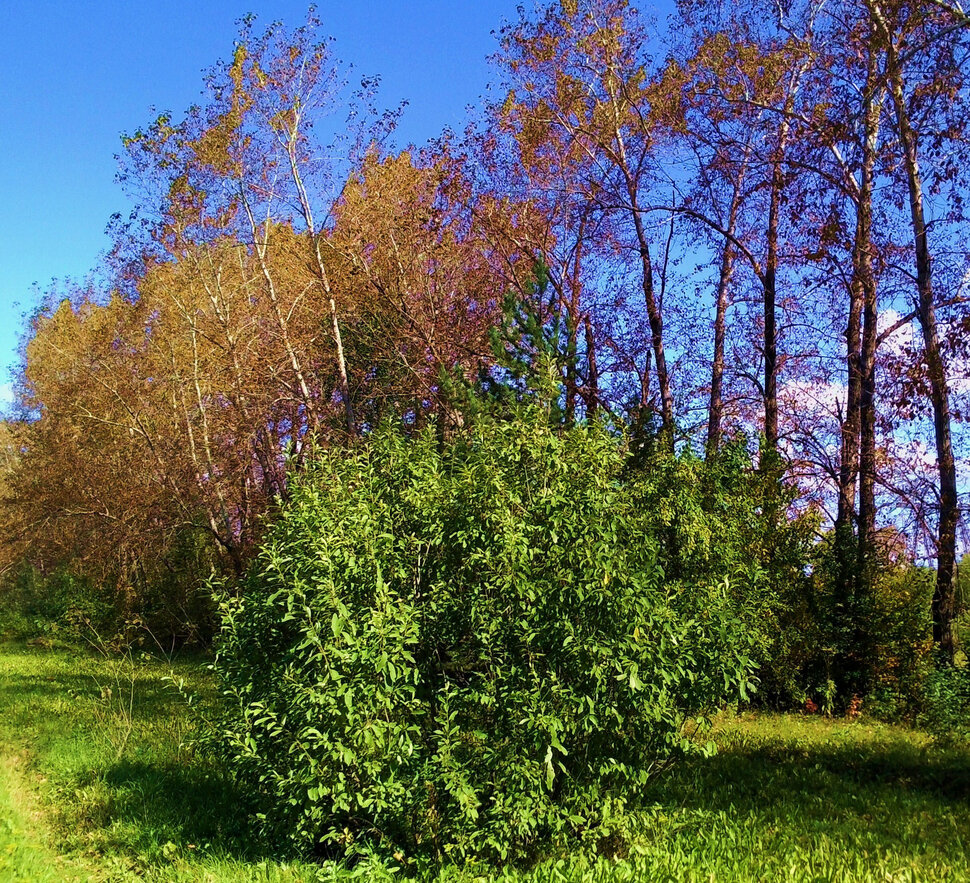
x=786 y=797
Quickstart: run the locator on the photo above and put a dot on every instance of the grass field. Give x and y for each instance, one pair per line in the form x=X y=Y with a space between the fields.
x=94 y=786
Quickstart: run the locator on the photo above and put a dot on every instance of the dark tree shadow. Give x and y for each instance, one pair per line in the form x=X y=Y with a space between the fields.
x=196 y=806
x=880 y=792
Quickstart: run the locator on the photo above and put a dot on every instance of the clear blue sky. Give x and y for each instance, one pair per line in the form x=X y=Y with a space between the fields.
x=77 y=74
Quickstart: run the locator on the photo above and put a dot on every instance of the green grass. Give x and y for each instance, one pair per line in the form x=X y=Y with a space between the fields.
x=124 y=805
x=92 y=791
x=24 y=853
x=795 y=798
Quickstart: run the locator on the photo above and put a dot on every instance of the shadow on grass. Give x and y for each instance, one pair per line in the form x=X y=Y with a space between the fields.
x=765 y=772
x=890 y=797
x=154 y=795
x=193 y=805
x=153 y=697
x=17 y=687
x=874 y=790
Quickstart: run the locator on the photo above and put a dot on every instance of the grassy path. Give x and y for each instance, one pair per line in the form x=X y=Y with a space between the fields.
x=93 y=788
x=94 y=784
x=25 y=854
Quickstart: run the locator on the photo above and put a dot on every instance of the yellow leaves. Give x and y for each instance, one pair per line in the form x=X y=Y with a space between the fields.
x=508 y=106
x=545 y=48
x=214 y=147
x=286 y=122
x=666 y=99
x=606 y=43
x=421 y=286
x=386 y=192
x=578 y=84
x=721 y=60
x=238 y=67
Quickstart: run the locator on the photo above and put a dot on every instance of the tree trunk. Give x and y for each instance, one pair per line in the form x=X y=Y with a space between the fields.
x=592 y=373
x=864 y=270
x=943 y=605
x=571 y=309
x=649 y=295
x=849 y=458
x=572 y=373
x=856 y=558
x=324 y=278
x=770 y=282
x=656 y=332
x=716 y=407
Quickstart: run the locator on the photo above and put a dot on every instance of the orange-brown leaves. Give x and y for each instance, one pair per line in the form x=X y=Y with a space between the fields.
x=425 y=293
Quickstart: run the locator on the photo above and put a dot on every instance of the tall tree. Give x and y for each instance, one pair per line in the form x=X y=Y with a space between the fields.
x=578 y=79
x=747 y=68
x=921 y=43
x=249 y=164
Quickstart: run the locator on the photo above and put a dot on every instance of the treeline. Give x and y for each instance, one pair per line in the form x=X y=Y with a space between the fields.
x=752 y=225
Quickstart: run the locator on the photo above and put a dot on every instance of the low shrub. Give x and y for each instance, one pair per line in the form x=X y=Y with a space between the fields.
x=172 y=607
x=59 y=604
x=946 y=703
x=465 y=647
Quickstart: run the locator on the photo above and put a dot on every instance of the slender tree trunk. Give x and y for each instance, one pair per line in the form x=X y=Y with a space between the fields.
x=649 y=294
x=867 y=276
x=571 y=309
x=645 y=382
x=849 y=456
x=770 y=283
x=592 y=374
x=339 y=343
x=770 y=276
x=572 y=369
x=260 y=244
x=656 y=330
x=716 y=406
x=855 y=553
x=644 y=409
x=324 y=277
x=943 y=605
x=850 y=674
x=654 y=315
x=867 y=447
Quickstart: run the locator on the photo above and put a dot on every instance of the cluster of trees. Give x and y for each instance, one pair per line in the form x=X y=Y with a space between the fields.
x=752 y=224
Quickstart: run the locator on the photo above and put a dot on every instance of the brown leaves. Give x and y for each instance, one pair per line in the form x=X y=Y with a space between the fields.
x=424 y=294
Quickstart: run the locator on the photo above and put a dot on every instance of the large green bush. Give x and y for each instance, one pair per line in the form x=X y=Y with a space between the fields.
x=464 y=647
x=724 y=516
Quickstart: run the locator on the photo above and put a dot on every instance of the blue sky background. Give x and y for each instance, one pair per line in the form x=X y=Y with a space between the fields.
x=76 y=75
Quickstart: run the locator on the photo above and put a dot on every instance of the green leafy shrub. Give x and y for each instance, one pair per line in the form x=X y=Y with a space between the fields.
x=873 y=644
x=58 y=604
x=899 y=626
x=720 y=517
x=946 y=703
x=465 y=647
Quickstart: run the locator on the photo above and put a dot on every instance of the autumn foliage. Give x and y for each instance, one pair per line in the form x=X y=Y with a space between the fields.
x=749 y=228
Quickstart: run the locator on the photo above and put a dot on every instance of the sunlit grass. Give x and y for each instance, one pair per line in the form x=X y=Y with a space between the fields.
x=24 y=853
x=136 y=806
x=787 y=798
